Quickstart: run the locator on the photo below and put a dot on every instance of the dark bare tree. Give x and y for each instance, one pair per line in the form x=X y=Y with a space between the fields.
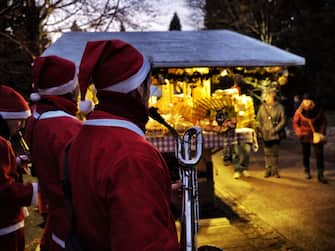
x=299 y=26
x=262 y=19
x=28 y=26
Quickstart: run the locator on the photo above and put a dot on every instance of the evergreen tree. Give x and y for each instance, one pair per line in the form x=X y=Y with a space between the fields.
x=175 y=23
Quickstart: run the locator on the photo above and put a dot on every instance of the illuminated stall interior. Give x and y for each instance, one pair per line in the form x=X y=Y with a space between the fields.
x=207 y=97
x=192 y=83
x=186 y=95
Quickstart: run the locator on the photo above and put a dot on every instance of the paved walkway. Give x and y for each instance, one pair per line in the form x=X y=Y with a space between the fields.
x=289 y=213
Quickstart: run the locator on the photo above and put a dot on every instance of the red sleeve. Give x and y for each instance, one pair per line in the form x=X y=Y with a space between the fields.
x=296 y=124
x=144 y=222
x=12 y=192
x=29 y=130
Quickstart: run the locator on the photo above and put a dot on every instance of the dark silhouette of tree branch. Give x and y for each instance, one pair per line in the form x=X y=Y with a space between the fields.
x=19 y=44
x=27 y=27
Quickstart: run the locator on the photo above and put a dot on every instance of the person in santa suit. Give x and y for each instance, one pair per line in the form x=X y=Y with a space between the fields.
x=14 y=195
x=121 y=186
x=55 y=123
x=42 y=200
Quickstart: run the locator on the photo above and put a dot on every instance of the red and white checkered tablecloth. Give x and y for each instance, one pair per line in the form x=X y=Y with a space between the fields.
x=212 y=140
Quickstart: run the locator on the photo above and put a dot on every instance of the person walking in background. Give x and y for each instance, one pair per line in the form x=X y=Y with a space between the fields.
x=271 y=118
x=241 y=159
x=54 y=124
x=124 y=179
x=14 y=195
x=229 y=125
x=310 y=124
x=239 y=152
x=234 y=152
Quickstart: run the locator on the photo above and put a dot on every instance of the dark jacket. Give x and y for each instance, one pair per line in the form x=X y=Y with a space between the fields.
x=271 y=120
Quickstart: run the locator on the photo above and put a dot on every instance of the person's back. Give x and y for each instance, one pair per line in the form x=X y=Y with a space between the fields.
x=121 y=186
x=14 y=195
x=51 y=136
x=123 y=182
x=53 y=126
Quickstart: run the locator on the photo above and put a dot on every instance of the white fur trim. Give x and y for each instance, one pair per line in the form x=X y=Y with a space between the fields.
x=35 y=96
x=133 y=81
x=34 y=199
x=16 y=115
x=18 y=160
x=58 y=240
x=62 y=89
x=36 y=114
x=11 y=228
x=55 y=114
x=86 y=106
x=21 y=159
x=116 y=123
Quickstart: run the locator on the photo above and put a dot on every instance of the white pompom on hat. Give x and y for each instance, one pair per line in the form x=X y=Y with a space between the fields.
x=53 y=75
x=12 y=104
x=35 y=96
x=112 y=65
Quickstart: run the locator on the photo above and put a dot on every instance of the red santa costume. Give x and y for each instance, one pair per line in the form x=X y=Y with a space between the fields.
x=55 y=79
x=42 y=200
x=121 y=186
x=13 y=194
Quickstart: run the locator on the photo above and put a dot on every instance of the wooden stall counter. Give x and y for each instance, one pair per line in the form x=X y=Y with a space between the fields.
x=213 y=141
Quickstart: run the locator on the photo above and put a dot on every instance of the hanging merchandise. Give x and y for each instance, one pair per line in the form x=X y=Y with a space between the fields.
x=202 y=97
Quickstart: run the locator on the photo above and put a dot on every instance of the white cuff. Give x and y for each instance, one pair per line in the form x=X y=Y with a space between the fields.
x=35 y=191
x=21 y=158
x=25 y=212
x=18 y=161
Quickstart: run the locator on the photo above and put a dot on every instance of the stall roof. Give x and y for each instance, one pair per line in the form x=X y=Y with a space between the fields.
x=208 y=48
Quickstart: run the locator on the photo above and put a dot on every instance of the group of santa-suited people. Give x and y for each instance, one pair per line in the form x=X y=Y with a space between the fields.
x=120 y=184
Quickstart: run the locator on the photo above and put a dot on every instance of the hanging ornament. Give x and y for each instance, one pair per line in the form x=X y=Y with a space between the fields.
x=282 y=80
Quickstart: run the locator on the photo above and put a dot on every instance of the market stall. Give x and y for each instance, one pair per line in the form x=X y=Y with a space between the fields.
x=187 y=96
x=188 y=71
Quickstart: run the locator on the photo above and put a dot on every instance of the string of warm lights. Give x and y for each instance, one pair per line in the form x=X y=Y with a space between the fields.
x=249 y=75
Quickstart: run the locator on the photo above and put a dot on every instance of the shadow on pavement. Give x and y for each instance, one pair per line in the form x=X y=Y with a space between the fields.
x=220 y=209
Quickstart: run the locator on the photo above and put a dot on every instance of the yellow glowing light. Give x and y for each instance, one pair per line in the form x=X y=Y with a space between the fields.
x=244 y=99
x=224 y=73
x=231 y=91
x=153 y=100
x=202 y=70
x=282 y=80
x=273 y=69
x=207 y=87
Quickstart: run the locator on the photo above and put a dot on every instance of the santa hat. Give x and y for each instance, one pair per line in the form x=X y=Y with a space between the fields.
x=12 y=104
x=112 y=65
x=53 y=75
